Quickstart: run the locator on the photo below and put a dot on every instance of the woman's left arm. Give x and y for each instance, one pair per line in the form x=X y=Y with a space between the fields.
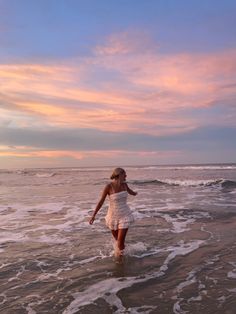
x=131 y=192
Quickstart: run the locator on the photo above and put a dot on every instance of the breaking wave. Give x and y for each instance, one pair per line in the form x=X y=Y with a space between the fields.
x=211 y=182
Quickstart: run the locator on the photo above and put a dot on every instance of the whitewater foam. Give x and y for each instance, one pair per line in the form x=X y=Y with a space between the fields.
x=109 y=287
x=188 y=182
x=232 y=274
x=179 y=223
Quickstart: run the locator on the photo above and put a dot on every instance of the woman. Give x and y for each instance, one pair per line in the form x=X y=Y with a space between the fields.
x=119 y=216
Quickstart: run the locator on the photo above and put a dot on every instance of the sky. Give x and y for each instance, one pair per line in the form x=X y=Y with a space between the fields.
x=117 y=82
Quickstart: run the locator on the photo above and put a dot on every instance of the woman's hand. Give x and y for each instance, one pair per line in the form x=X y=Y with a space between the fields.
x=91 y=220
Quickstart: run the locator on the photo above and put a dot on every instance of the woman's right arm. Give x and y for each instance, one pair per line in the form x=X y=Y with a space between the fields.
x=100 y=203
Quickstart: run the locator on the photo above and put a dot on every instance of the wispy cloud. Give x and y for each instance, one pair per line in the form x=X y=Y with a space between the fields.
x=122 y=87
x=123 y=43
x=36 y=157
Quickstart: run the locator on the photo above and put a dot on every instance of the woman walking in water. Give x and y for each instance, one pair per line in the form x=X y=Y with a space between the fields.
x=119 y=216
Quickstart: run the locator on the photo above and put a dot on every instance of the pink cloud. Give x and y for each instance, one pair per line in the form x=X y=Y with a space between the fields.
x=150 y=96
x=122 y=43
x=47 y=155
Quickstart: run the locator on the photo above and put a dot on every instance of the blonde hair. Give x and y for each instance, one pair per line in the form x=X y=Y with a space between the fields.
x=116 y=172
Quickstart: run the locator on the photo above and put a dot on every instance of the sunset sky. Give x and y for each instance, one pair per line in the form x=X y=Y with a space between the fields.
x=117 y=82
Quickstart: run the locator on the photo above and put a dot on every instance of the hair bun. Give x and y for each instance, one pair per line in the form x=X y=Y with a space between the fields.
x=116 y=172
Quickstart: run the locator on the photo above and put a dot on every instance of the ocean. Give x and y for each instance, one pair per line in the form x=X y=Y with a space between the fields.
x=180 y=254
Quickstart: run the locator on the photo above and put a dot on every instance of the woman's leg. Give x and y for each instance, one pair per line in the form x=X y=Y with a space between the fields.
x=121 y=238
x=115 y=234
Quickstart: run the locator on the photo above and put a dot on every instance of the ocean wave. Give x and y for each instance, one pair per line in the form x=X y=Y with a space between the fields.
x=186 y=167
x=210 y=167
x=147 y=182
x=45 y=175
x=60 y=170
x=229 y=184
x=37 y=174
x=169 y=182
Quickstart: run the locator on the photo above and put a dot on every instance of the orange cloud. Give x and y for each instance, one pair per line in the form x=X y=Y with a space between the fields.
x=79 y=155
x=29 y=152
x=149 y=96
x=42 y=109
x=34 y=71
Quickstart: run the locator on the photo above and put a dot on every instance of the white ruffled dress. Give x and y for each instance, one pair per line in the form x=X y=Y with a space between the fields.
x=119 y=215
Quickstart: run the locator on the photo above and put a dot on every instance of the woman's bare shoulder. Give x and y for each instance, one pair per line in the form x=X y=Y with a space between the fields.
x=108 y=187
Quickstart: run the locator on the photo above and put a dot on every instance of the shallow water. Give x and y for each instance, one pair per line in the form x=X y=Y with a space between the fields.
x=180 y=252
